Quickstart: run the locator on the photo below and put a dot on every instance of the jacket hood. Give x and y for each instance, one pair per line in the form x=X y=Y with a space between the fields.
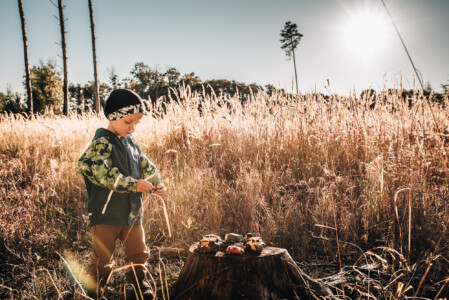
x=104 y=132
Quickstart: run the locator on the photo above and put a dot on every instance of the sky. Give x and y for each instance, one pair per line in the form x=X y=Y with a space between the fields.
x=237 y=40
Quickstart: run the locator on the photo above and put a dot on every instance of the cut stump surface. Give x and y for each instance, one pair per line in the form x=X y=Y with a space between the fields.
x=270 y=275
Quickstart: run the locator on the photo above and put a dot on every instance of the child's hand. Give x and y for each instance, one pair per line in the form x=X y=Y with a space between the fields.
x=144 y=186
x=160 y=189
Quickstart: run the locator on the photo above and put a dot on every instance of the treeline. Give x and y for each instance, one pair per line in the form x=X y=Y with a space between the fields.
x=149 y=83
x=153 y=84
x=386 y=95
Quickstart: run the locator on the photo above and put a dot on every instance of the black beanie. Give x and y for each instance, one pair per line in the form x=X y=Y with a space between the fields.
x=121 y=103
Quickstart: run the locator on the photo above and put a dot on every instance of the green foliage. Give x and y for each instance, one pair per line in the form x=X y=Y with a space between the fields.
x=82 y=96
x=290 y=38
x=368 y=94
x=270 y=89
x=445 y=87
x=114 y=79
x=11 y=102
x=428 y=87
x=172 y=76
x=147 y=82
x=46 y=85
x=150 y=83
x=77 y=96
x=191 y=79
x=228 y=88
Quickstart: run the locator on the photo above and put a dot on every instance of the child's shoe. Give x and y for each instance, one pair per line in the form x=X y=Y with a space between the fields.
x=141 y=289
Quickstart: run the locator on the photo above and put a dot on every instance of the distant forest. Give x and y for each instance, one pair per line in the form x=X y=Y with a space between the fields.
x=149 y=83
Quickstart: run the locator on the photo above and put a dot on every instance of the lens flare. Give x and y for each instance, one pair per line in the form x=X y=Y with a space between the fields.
x=365 y=34
x=76 y=272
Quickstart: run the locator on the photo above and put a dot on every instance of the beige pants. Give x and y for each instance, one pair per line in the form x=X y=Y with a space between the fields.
x=104 y=238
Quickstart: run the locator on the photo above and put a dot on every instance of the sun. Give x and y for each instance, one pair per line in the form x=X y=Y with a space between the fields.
x=366 y=34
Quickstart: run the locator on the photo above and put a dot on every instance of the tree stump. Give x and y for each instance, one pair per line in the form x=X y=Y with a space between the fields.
x=270 y=275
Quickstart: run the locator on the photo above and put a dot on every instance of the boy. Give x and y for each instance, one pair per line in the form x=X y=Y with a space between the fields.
x=114 y=169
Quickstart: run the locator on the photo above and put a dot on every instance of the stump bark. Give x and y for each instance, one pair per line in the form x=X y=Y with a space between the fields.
x=270 y=275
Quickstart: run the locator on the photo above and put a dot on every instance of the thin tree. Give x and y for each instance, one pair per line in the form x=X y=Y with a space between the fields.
x=27 y=65
x=290 y=40
x=65 y=87
x=94 y=53
x=445 y=87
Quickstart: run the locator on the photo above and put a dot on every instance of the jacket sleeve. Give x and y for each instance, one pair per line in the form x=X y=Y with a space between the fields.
x=148 y=169
x=96 y=165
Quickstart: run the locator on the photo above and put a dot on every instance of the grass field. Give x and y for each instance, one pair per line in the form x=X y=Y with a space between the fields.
x=334 y=182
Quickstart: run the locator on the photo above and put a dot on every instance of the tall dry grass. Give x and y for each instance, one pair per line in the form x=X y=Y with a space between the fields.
x=327 y=179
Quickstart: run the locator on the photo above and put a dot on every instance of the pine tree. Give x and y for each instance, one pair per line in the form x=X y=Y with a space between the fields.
x=290 y=40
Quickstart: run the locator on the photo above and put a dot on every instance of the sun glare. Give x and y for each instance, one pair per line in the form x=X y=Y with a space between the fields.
x=366 y=34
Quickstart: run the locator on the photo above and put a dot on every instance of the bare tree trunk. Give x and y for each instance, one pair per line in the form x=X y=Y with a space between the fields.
x=296 y=76
x=94 y=53
x=27 y=66
x=64 y=58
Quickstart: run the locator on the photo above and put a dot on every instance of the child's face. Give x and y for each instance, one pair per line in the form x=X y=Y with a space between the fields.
x=126 y=125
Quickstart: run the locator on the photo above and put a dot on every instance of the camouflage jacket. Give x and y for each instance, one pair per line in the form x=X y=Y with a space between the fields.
x=111 y=167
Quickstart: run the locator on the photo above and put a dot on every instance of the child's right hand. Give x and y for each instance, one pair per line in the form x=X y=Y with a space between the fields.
x=144 y=186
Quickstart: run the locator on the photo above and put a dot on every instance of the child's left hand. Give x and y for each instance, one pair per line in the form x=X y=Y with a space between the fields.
x=160 y=189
